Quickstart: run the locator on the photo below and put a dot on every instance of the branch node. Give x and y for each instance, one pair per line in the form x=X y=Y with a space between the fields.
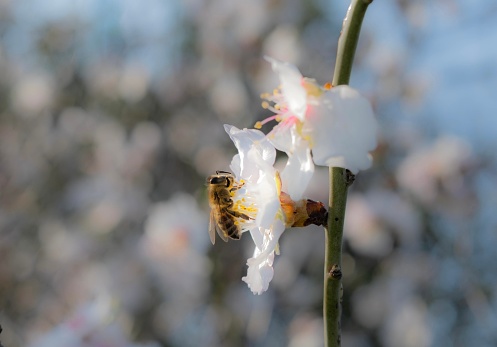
x=335 y=272
x=349 y=178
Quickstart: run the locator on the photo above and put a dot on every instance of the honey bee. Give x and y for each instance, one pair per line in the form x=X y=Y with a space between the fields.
x=223 y=219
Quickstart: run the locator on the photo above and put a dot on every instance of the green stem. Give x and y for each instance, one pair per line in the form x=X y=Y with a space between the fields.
x=347 y=42
x=338 y=184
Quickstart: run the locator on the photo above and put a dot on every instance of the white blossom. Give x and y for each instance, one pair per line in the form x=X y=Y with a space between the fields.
x=336 y=125
x=259 y=198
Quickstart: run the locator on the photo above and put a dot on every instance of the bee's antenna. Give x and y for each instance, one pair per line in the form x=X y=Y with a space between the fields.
x=222 y=172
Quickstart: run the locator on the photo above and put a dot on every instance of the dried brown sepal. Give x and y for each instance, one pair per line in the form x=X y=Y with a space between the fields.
x=317 y=214
x=303 y=212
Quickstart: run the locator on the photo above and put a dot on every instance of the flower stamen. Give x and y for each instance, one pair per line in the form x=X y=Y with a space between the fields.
x=259 y=124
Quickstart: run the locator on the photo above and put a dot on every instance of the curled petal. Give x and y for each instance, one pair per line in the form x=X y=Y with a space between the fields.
x=259 y=274
x=260 y=266
x=258 y=237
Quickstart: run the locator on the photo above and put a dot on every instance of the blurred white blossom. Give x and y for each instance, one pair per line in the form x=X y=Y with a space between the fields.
x=364 y=230
x=94 y=324
x=174 y=246
x=408 y=325
x=33 y=94
x=306 y=330
x=428 y=169
x=375 y=219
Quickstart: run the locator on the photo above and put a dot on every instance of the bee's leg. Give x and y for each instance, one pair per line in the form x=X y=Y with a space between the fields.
x=238 y=214
x=236 y=187
x=228 y=202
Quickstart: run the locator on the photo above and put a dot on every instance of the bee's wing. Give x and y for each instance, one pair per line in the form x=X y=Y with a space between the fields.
x=212 y=228
x=221 y=233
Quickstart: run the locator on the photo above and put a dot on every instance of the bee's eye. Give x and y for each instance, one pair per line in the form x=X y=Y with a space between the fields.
x=228 y=182
x=217 y=180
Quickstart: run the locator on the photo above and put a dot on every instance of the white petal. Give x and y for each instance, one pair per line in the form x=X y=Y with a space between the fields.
x=291 y=86
x=283 y=136
x=265 y=216
x=235 y=165
x=343 y=129
x=258 y=236
x=252 y=145
x=299 y=168
x=246 y=138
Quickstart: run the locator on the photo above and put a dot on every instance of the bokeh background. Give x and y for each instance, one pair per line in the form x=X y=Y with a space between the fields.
x=111 y=116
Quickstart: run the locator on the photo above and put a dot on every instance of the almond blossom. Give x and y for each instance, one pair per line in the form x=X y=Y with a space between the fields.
x=335 y=124
x=259 y=198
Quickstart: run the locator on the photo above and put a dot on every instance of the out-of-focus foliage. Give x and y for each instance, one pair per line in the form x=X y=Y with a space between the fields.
x=111 y=116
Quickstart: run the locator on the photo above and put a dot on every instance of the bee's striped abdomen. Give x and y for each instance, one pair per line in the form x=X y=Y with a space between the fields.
x=227 y=223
